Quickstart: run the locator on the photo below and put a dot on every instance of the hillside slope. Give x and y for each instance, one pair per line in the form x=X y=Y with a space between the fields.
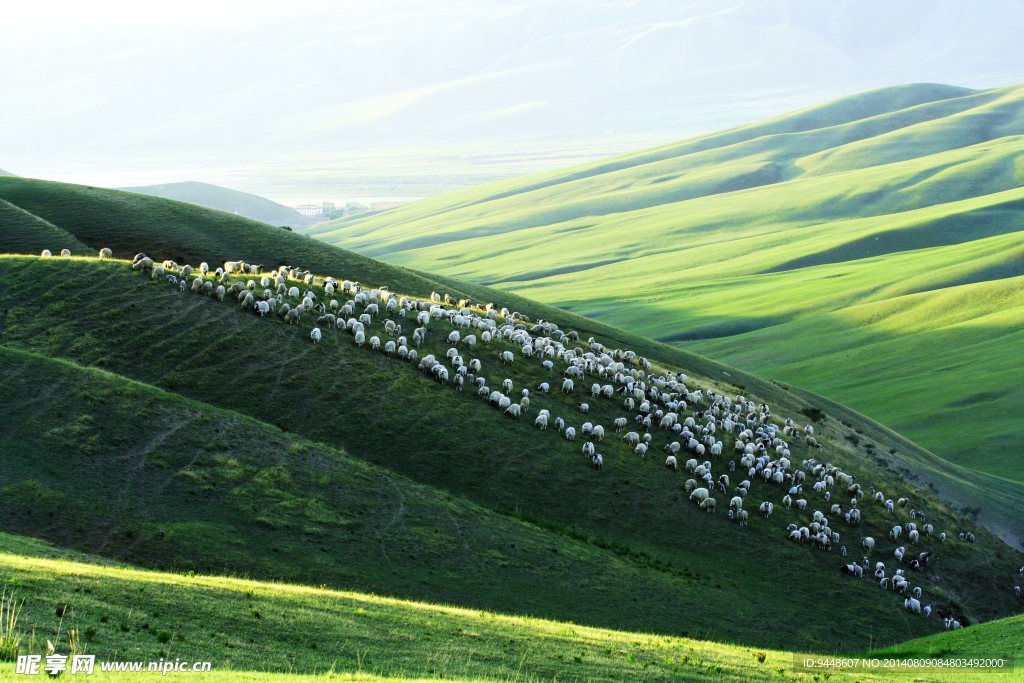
x=836 y=224
x=98 y=217
x=303 y=631
x=233 y=201
x=265 y=503
x=382 y=410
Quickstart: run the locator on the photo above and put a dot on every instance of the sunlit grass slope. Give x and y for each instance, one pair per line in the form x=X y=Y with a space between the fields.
x=761 y=247
x=289 y=633
x=670 y=567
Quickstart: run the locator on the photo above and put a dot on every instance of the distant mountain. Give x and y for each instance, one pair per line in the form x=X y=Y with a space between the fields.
x=3 y=172
x=232 y=201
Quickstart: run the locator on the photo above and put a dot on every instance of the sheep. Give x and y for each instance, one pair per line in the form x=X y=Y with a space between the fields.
x=598 y=461
x=641 y=450
x=570 y=433
x=315 y=335
x=513 y=411
x=868 y=543
x=736 y=503
x=914 y=536
x=766 y=509
x=631 y=438
x=65 y=253
x=46 y=254
x=567 y=386
x=670 y=462
x=588 y=449
x=902 y=502
x=221 y=291
x=262 y=307
x=699 y=495
x=912 y=605
x=541 y=421
x=584 y=408
x=106 y=253
x=743 y=517
x=708 y=504
x=787 y=501
x=360 y=338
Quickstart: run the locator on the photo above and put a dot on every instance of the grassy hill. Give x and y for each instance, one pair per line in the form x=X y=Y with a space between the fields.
x=703 y=569
x=284 y=633
x=214 y=197
x=383 y=411
x=869 y=228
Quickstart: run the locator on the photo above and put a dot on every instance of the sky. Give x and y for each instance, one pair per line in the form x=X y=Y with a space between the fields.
x=298 y=99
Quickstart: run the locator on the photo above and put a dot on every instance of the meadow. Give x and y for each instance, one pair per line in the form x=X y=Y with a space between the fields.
x=284 y=633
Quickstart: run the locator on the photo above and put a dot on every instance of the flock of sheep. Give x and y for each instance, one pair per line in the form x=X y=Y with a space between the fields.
x=761 y=449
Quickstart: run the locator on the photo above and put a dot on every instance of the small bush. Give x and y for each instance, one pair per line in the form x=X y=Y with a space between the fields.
x=813 y=414
x=760 y=657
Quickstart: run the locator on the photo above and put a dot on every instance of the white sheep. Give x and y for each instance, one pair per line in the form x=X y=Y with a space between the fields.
x=314 y=335
x=106 y=253
x=598 y=461
x=65 y=252
x=641 y=450
x=567 y=386
x=46 y=254
x=570 y=433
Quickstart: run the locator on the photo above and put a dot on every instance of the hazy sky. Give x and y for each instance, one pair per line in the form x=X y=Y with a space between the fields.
x=128 y=92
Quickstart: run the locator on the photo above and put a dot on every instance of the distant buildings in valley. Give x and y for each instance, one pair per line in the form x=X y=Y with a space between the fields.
x=327 y=210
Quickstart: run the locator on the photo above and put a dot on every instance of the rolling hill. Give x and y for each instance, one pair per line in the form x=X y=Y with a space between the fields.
x=198 y=617
x=5 y=173
x=870 y=249
x=232 y=201
x=148 y=396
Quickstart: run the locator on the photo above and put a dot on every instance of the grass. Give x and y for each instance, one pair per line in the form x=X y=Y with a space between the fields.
x=844 y=226
x=306 y=632
x=632 y=553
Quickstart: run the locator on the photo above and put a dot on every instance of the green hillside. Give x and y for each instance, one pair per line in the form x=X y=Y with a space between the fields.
x=852 y=227
x=283 y=403
x=384 y=412
x=215 y=197
x=305 y=633
x=270 y=504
